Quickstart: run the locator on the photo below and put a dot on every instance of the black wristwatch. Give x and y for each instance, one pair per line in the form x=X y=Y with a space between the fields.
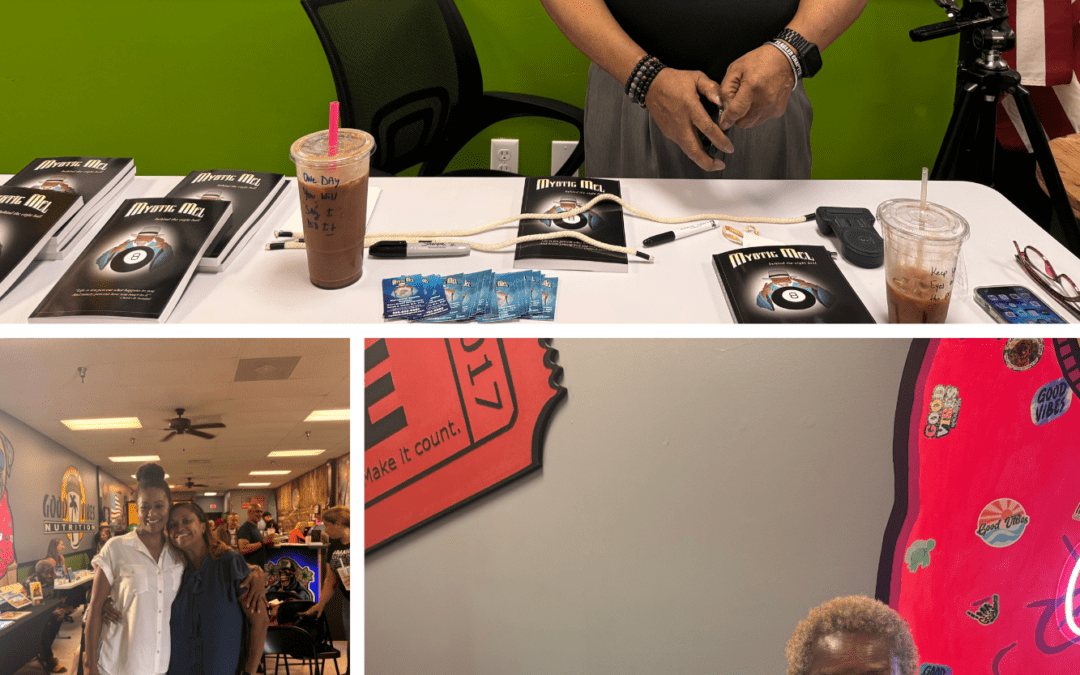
x=809 y=56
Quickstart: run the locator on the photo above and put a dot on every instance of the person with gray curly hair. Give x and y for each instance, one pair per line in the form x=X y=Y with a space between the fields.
x=853 y=635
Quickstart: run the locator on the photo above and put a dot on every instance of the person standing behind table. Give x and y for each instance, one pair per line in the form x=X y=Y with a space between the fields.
x=297 y=535
x=718 y=49
x=102 y=536
x=251 y=543
x=336 y=521
x=208 y=615
x=140 y=573
x=45 y=574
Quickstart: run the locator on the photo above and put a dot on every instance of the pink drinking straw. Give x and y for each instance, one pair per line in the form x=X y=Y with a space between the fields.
x=333 y=128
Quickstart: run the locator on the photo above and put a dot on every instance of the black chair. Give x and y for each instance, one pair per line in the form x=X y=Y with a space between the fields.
x=290 y=642
x=326 y=648
x=407 y=73
x=284 y=596
x=289 y=610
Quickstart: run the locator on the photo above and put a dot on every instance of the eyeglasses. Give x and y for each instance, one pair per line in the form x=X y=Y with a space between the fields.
x=1059 y=286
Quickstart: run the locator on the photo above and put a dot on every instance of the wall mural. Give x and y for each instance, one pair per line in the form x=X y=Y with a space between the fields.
x=982 y=551
x=8 y=564
x=341 y=492
x=303 y=497
x=448 y=421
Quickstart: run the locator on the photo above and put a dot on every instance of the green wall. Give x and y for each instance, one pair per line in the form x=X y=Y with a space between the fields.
x=189 y=84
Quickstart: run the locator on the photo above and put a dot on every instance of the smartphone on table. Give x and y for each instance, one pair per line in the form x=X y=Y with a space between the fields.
x=1014 y=304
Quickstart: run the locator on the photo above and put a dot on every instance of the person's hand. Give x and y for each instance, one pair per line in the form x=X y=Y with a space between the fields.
x=254 y=608
x=109 y=613
x=256 y=589
x=315 y=610
x=756 y=88
x=674 y=104
x=268 y=540
x=59 y=613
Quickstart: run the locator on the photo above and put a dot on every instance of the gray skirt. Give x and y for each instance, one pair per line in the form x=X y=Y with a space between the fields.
x=622 y=141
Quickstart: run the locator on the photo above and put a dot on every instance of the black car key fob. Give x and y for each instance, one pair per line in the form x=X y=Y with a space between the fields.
x=714 y=112
x=858 y=241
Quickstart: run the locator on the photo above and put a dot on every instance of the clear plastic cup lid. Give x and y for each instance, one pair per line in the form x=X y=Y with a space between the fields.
x=936 y=223
x=314 y=149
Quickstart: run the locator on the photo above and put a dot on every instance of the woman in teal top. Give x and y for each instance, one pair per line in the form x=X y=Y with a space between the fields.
x=207 y=623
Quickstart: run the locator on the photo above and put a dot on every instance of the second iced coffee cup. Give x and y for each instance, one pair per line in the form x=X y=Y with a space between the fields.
x=921 y=249
x=333 y=203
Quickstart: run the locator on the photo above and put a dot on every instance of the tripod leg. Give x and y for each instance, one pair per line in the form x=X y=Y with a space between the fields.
x=1062 y=211
x=948 y=159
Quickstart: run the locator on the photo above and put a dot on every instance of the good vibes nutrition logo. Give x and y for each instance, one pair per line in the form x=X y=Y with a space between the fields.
x=1002 y=522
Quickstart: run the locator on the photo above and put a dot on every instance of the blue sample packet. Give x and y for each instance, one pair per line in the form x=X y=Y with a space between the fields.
x=486 y=305
x=453 y=289
x=511 y=297
x=549 y=294
x=435 y=302
x=534 y=277
x=472 y=288
x=403 y=297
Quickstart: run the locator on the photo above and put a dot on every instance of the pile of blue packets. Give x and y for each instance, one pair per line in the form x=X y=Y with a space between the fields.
x=484 y=296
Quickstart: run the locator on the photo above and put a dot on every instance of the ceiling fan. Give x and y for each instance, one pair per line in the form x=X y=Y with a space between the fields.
x=182 y=425
x=190 y=483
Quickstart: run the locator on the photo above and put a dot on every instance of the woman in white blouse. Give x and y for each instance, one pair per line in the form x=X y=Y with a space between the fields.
x=139 y=573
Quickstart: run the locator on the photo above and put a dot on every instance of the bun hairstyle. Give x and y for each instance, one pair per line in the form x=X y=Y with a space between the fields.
x=152 y=476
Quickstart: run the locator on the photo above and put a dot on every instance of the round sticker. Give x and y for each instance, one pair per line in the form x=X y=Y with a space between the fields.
x=793 y=298
x=1022 y=353
x=1002 y=522
x=132 y=259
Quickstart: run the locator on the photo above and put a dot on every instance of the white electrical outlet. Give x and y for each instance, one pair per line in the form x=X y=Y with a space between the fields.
x=560 y=152
x=504 y=154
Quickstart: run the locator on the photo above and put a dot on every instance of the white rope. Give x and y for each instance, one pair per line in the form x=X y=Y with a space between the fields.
x=452 y=236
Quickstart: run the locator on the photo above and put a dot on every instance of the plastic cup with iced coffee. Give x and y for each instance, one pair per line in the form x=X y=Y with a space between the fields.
x=922 y=246
x=333 y=185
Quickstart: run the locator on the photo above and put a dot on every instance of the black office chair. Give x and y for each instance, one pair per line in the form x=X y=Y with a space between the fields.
x=407 y=73
x=290 y=642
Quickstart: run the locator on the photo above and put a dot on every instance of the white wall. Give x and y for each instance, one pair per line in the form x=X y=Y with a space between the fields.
x=697 y=498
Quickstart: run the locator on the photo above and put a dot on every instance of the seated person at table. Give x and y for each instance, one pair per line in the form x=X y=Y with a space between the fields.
x=298 y=533
x=207 y=621
x=56 y=552
x=45 y=574
x=853 y=635
x=251 y=543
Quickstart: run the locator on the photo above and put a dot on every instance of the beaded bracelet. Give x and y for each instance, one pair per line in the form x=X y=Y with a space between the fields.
x=641 y=79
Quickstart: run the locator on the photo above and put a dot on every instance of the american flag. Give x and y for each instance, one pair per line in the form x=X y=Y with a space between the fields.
x=1047 y=55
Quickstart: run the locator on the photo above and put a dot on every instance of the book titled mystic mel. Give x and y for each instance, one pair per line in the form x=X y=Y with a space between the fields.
x=139 y=263
x=787 y=284
x=603 y=222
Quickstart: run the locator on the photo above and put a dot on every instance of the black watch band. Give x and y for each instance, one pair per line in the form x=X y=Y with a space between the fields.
x=809 y=56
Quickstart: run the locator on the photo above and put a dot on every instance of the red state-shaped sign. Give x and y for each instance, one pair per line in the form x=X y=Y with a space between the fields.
x=447 y=421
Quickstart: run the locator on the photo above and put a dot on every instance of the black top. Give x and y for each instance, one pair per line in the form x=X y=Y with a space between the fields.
x=207 y=624
x=248 y=530
x=337 y=556
x=704 y=35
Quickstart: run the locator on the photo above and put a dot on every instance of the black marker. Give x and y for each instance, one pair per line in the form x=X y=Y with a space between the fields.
x=680 y=233
x=423 y=249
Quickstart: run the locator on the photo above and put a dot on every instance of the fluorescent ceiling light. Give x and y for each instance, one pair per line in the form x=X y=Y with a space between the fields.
x=103 y=423
x=295 y=453
x=136 y=458
x=269 y=473
x=209 y=494
x=328 y=416
x=253 y=484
